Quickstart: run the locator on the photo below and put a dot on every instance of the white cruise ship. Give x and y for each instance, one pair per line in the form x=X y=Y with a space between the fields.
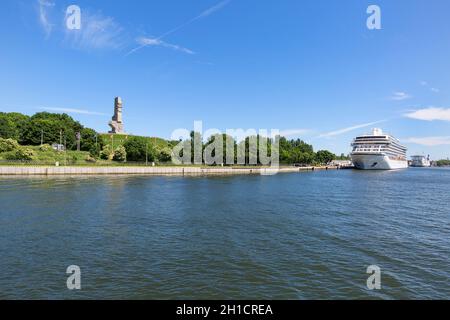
x=420 y=161
x=378 y=151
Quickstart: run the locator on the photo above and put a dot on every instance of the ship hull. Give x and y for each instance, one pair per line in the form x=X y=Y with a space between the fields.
x=377 y=162
x=421 y=164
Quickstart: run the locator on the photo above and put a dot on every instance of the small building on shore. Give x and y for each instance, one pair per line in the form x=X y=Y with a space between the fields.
x=58 y=147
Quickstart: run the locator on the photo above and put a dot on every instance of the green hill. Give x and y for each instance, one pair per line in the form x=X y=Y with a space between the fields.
x=119 y=139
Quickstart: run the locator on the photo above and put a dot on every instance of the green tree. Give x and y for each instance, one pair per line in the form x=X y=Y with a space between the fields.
x=343 y=157
x=324 y=156
x=228 y=147
x=8 y=129
x=55 y=128
x=37 y=128
x=251 y=150
x=11 y=125
x=20 y=121
x=138 y=149
x=196 y=140
x=443 y=163
x=90 y=140
x=295 y=151
x=164 y=155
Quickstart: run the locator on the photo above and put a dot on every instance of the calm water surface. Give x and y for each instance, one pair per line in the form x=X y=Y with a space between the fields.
x=289 y=236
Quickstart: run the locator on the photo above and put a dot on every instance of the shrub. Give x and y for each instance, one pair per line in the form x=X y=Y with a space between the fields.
x=45 y=147
x=106 y=153
x=90 y=159
x=24 y=154
x=7 y=145
x=120 y=154
x=165 y=155
x=95 y=151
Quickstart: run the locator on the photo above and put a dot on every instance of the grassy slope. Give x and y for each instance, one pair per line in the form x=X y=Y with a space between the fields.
x=119 y=139
x=52 y=156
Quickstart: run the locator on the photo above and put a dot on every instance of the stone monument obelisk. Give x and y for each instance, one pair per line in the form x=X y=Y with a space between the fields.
x=117 y=124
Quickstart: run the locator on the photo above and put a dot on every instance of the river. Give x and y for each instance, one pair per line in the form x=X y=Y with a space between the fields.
x=307 y=235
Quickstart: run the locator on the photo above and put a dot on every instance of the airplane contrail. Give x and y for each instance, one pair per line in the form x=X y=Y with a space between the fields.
x=202 y=15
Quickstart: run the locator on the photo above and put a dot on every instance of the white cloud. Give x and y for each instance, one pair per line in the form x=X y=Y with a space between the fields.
x=399 y=96
x=430 y=114
x=425 y=84
x=43 y=16
x=144 y=42
x=76 y=111
x=352 y=128
x=293 y=132
x=97 y=32
x=429 y=141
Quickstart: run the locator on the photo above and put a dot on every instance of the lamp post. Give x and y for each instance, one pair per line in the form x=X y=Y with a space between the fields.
x=65 y=152
x=96 y=144
x=78 y=137
x=146 y=154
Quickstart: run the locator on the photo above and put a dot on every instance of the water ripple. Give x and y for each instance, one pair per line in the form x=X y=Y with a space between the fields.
x=290 y=236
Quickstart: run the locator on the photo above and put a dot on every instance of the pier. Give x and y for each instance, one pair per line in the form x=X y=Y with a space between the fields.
x=130 y=170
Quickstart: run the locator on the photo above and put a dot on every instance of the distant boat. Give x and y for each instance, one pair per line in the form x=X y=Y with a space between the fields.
x=420 y=161
x=378 y=151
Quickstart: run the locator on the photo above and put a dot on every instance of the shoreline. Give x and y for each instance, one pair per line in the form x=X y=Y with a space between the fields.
x=178 y=171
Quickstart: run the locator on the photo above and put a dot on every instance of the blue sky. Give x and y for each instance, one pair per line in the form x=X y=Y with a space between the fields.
x=309 y=68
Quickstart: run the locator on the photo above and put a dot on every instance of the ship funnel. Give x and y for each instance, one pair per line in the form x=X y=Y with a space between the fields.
x=377 y=132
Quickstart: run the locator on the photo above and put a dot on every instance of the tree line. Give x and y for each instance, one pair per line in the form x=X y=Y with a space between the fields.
x=443 y=163
x=49 y=128
x=294 y=151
